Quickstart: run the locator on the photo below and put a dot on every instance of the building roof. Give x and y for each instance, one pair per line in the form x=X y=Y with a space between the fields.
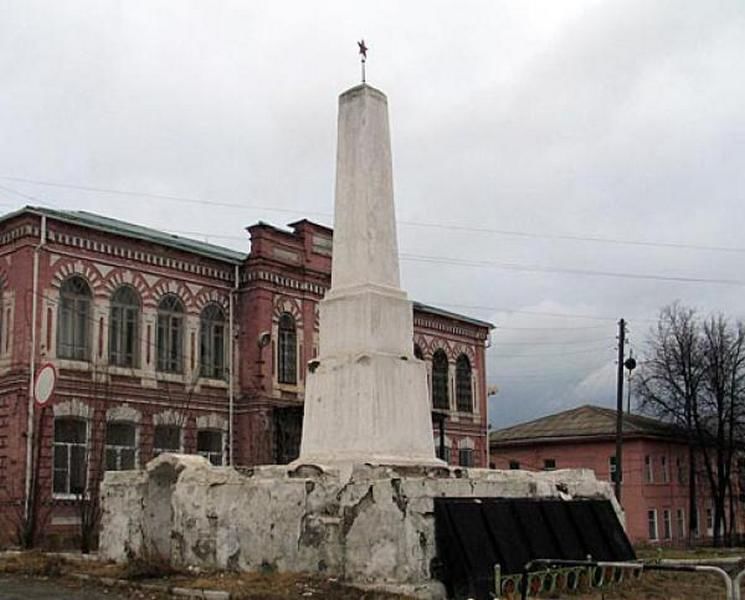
x=451 y=315
x=140 y=232
x=585 y=422
x=123 y=228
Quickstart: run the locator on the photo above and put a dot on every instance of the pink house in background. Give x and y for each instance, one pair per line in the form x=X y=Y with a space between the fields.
x=655 y=466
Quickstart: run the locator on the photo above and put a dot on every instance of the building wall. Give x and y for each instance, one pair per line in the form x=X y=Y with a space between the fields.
x=665 y=492
x=286 y=272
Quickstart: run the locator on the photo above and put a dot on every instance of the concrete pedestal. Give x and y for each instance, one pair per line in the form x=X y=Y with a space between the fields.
x=375 y=527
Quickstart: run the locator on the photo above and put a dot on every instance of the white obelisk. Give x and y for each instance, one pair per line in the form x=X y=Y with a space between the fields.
x=366 y=398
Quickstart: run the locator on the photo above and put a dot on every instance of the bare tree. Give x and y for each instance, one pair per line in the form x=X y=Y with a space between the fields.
x=693 y=376
x=670 y=381
x=719 y=413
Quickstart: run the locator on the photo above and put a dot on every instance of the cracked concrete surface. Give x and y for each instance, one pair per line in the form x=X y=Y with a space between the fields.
x=376 y=525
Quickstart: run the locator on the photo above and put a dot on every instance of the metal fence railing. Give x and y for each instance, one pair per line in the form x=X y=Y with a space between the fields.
x=555 y=575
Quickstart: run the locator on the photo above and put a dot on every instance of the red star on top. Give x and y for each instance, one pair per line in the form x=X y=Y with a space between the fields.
x=363 y=49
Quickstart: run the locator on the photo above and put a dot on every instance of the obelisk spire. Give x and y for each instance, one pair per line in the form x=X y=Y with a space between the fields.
x=365 y=244
x=366 y=398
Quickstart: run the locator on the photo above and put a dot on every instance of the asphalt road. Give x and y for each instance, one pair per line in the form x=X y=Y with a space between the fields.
x=27 y=588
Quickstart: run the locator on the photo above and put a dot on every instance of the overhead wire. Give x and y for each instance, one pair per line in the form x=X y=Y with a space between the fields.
x=409 y=223
x=443 y=260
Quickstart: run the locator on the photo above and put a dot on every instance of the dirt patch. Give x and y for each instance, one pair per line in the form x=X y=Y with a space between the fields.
x=250 y=586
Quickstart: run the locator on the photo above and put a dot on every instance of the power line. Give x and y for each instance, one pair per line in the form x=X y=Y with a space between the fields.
x=567 y=270
x=553 y=343
x=546 y=354
x=448 y=227
x=503 y=328
x=442 y=260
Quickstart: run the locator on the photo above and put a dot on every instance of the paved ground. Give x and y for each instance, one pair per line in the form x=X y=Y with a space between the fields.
x=29 y=588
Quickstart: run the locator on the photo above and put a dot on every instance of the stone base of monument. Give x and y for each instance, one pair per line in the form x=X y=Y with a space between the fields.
x=374 y=527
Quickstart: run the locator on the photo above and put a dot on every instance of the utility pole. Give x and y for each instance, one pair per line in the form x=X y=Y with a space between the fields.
x=619 y=409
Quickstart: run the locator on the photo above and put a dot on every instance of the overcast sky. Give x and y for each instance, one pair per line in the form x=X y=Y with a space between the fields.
x=517 y=128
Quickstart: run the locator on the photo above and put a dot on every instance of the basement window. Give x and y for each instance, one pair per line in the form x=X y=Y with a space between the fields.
x=210 y=445
x=167 y=438
x=549 y=464
x=121 y=447
x=465 y=457
x=652 y=524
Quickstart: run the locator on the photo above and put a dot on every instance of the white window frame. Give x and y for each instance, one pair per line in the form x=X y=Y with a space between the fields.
x=680 y=523
x=667 y=524
x=158 y=451
x=665 y=469
x=208 y=454
x=652 y=512
x=448 y=448
x=612 y=469
x=68 y=449
x=118 y=448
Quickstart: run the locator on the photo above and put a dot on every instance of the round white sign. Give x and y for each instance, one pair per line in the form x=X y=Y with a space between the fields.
x=44 y=386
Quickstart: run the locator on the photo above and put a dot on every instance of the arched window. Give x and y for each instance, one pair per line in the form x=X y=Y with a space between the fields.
x=212 y=342
x=418 y=352
x=170 y=335
x=73 y=320
x=440 y=396
x=463 y=389
x=287 y=350
x=124 y=326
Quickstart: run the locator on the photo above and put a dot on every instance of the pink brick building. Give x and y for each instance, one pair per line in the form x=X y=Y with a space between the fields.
x=654 y=493
x=162 y=343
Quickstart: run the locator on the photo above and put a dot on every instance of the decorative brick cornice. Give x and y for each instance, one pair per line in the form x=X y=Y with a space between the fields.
x=124 y=252
x=446 y=328
x=284 y=281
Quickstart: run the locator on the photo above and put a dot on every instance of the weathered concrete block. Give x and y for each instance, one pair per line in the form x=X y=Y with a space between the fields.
x=375 y=524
